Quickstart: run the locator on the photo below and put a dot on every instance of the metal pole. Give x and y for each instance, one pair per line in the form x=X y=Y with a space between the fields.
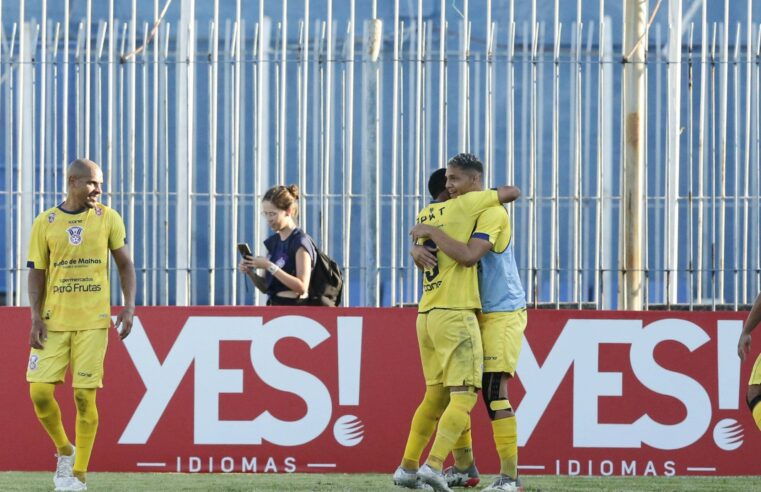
x=213 y=111
x=349 y=154
x=634 y=81
x=724 y=83
x=701 y=153
x=674 y=90
x=88 y=63
x=746 y=201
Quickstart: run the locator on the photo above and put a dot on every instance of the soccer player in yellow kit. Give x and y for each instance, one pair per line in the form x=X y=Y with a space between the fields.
x=71 y=311
x=502 y=320
x=448 y=334
x=753 y=394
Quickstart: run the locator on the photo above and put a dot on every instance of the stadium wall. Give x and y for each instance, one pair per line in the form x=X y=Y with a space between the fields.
x=265 y=390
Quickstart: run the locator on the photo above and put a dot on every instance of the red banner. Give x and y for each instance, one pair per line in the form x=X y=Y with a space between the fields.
x=223 y=389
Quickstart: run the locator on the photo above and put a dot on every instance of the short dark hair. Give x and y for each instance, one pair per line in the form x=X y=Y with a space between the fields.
x=466 y=162
x=437 y=182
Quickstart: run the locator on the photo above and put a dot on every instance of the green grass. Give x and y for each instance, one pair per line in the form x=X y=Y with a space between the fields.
x=164 y=482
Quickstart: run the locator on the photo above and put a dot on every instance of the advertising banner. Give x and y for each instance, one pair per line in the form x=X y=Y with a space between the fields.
x=279 y=389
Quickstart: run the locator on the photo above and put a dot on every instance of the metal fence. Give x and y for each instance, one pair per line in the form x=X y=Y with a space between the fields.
x=195 y=116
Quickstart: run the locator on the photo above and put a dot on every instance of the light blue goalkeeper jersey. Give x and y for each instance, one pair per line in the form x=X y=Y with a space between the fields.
x=498 y=281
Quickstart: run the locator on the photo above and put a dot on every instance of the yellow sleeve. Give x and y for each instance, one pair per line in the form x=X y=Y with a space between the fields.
x=117 y=236
x=38 y=245
x=490 y=224
x=475 y=202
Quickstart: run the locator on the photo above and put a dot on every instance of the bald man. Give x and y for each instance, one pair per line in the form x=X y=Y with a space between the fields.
x=70 y=303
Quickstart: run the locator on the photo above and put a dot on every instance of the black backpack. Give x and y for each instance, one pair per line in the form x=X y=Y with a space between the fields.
x=326 y=283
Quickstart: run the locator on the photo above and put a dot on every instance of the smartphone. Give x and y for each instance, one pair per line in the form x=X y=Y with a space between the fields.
x=244 y=250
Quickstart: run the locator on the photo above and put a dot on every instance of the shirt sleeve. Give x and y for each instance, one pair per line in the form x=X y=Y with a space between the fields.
x=490 y=224
x=117 y=237
x=476 y=202
x=306 y=242
x=38 y=246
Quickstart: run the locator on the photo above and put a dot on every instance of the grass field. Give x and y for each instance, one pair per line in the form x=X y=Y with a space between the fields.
x=164 y=482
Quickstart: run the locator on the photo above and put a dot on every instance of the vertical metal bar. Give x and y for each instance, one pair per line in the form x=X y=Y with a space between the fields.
x=155 y=177
x=532 y=188
x=23 y=159
x=599 y=253
x=43 y=105
x=54 y=124
x=724 y=83
x=304 y=104
x=712 y=175
x=419 y=67
x=554 y=273
x=671 y=225
x=213 y=111
x=737 y=159
x=283 y=88
x=746 y=173
x=87 y=76
x=65 y=115
x=163 y=224
x=235 y=136
x=463 y=123
x=691 y=202
x=442 y=87
x=577 y=274
x=328 y=114
x=395 y=138
x=132 y=149
x=489 y=100
x=349 y=154
x=701 y=153
x=143 y=284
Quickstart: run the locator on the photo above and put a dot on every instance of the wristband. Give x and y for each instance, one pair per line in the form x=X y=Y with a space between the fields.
x=272 y=268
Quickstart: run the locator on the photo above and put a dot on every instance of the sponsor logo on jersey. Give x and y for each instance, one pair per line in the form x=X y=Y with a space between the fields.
x=75 y=235
x=33 y=360
x=98 y=211
x=51 y=217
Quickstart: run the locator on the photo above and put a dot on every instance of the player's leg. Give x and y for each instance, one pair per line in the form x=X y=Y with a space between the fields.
x=458 y=343
x=753 y=395
x=429 y=411
x=47 y=367
x=88 y=353
x=502 y=335
x=463 y=473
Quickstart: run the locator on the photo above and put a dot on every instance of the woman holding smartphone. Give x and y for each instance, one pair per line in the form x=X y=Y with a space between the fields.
x=291 y=254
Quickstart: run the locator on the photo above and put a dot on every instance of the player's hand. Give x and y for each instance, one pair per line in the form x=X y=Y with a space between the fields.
x=421 y=231
x=38 y=335
x=423 y=257
x=246 y=265
x=743 y=346
x=124 y=322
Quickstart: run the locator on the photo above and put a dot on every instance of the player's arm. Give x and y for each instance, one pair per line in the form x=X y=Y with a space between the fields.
x=754 y=318
x=36 y=288
x=129 y=286
x=465 y=254
x=508 y=193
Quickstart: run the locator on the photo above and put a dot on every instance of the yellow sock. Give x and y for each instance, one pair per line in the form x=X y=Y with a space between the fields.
x=49 y=413
x=423 y=424
x=506 y=439
x=453 y=422
x=757 y=414
x=86 y=427
x=463 y=449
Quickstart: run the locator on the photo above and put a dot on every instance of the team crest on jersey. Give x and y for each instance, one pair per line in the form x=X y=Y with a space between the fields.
x=75 y=235
x=33 y=360
x=51 y=217
x=98 y=211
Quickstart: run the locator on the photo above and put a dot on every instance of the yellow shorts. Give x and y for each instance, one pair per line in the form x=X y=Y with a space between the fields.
x=755 y=374
x=450 y=347
x=502 y=336
x=84 y=350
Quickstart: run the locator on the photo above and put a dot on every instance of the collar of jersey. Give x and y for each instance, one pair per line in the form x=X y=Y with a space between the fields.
x=71 y=213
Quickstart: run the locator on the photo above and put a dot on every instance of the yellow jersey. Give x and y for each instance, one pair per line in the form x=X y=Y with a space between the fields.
x=73 y=248
x=451 y=285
